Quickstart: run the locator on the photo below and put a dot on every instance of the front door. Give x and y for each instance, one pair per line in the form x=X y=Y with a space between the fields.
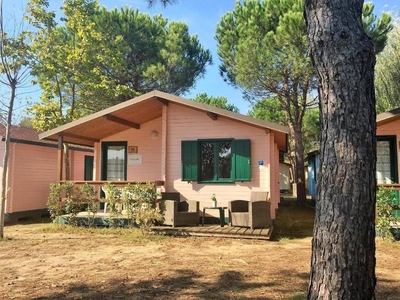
x=113 y=162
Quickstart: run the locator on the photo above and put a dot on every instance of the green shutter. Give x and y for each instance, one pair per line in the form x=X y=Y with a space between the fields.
x=189 y=161
x=242 y=163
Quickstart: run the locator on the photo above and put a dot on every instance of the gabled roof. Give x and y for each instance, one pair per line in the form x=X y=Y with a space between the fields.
x=132 y=113
x=388 y=116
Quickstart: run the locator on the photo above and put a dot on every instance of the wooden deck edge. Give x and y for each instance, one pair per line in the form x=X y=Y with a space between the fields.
x=221 y=235
x=204 y=232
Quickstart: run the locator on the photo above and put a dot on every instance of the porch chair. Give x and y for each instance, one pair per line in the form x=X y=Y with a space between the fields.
x=254 y=213
x=179 y=213
x=121 y=206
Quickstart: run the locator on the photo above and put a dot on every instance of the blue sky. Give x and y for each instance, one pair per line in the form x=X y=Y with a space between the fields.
x=201 y=17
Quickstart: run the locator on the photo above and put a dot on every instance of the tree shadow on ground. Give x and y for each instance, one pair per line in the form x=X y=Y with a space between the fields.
x=187 y=284
x=387 y=289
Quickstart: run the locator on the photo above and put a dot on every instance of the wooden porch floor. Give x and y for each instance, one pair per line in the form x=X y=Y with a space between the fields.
x=208 y=230
x=216 y=231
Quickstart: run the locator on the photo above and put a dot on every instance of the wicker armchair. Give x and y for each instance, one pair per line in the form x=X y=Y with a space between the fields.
x=179 y=213
x=254 y=213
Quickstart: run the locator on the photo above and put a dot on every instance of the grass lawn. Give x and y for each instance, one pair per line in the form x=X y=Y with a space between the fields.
x=45 y=261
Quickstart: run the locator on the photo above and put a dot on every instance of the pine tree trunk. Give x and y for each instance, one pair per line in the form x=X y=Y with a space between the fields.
x=299 y=171
x=343 y=247
x=297 y=154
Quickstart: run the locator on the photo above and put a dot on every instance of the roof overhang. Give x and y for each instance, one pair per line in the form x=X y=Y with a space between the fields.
x=388 y=116
x=132 y=113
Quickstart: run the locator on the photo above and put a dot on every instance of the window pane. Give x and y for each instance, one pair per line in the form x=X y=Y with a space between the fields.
x=207 y=161
x=383 y=171
x=116 y=163
x=225 y=160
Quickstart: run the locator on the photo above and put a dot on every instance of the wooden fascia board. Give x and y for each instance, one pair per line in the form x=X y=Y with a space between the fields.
x=121 y=121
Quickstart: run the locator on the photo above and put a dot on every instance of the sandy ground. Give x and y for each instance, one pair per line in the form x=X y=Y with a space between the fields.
x=87 y=264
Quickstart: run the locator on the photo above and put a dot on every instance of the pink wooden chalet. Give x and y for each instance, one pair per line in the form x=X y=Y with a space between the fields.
x=192 y=148
x=388 y=151
x=388 y=146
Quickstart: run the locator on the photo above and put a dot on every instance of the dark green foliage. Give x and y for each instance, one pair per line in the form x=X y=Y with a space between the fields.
x=163 y=2
x=376 y=28
x=311 y=130
x=154 y=54
x=262 y=45
x=268 y=109
x=221 y=102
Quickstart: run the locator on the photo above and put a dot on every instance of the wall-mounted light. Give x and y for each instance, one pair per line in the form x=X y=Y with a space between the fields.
x=154 y=134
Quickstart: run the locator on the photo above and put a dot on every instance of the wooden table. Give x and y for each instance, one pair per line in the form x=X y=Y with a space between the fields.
x=221 y=214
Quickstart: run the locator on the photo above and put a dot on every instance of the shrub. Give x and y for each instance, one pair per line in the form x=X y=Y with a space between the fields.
x=385 y=200
x=140 y=204
x=74 y=203
x=131 y=204
x=89 y=193
x=114 y=205
x=54 y=201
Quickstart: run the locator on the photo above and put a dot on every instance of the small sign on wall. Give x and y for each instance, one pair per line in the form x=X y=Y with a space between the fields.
x=134 y=159
x=261 y=164
x=133 y=149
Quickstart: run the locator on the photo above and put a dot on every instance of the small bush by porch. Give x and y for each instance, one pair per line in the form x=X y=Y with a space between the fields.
x=131 y=205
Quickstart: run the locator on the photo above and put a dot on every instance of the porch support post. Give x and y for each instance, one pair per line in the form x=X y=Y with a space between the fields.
x=60 y=158
x=164 y=145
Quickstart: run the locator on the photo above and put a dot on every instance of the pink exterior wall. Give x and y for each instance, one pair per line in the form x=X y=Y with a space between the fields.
x=149 y=149
x=392 y=128
x=184 y=123
x=31 y=170
x=77 y=164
